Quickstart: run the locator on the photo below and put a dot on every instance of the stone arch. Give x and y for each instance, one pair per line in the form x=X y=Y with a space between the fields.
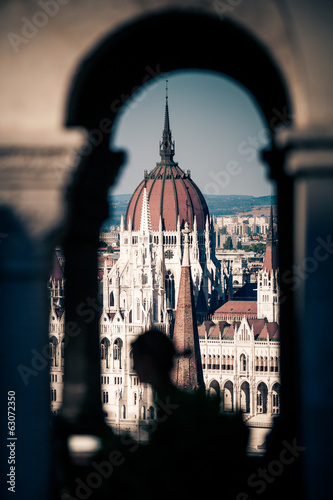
x=245 y=397
x=276 y=387
x=108 y=76
x=262 y=396
x=97 y=88
x=228 y=396
x=214 y=388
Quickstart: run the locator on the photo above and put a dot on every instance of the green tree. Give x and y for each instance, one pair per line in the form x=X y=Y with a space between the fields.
x=228 y=244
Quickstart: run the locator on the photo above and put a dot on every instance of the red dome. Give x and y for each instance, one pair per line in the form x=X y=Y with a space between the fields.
x=171 y=192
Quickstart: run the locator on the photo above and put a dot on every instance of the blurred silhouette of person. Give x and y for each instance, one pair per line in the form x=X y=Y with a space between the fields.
x=192 y=444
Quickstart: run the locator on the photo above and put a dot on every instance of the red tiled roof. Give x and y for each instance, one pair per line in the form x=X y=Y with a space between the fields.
x=236 y=308
x=258 y=325
x=204 y=329
x=171 y=192
x=226 y=331
x=274 y=331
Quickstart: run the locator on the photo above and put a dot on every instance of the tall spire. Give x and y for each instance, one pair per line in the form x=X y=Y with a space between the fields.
x=187 y=373
x=271 y=258
x=270 y=233
x=167 y=145
x=145 y=214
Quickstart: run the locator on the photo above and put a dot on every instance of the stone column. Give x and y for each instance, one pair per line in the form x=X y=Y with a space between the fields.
x=302 y=164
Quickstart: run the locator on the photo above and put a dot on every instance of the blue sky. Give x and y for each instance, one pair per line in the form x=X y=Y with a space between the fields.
x=217 y=128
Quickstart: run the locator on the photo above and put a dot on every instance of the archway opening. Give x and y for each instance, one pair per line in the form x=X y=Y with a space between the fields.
x=100 y=91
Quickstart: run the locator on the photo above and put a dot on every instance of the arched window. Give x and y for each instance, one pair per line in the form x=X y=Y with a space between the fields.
x=276 y=398
x=203 y=361
x=243 y=363
x=105 y=343
x=209 y=366
x=257 y=363
x=111 y=299
x=63 y=352
x=123 y=411
x=53 y=351
x=261 y=364
x=170 y=290
x=228 y=362
x=53 y=395
x=223 y=362
x=138 y=310
x=117 y=354
x=143 y=413
x=271 y=364
x=131 y=360
x=105 y=397
x=151 y=413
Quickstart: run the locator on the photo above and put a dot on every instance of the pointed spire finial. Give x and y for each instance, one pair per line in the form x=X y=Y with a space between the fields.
x=167 y=145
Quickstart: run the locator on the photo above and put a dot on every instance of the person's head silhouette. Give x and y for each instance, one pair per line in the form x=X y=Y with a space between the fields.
x=153 y=357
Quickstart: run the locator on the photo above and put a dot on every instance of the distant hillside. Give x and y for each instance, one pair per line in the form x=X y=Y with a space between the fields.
x=217 y=205
x=234 y=204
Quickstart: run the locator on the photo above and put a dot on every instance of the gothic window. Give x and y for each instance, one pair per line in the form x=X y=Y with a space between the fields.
x=105 y=351
x=135 y=397
x=105 y=397
x=209 y=362
x=63 y=352
x=123 y=411
x=243 y=362
x=261 y=364
x=111 y=299
x=170 y=290
x=155 y=310
x=143 y=413
x=276 y=398
x=257 y=363
x=145 y=279
x=131 y=360
x=232 y=362
x=53 y=395
x=203 y=361
x=53 y=351
x=228 y=362
x=138 y=310
x=151 y=413
x=223 y=362
x=265 y=364
x=117 y=347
